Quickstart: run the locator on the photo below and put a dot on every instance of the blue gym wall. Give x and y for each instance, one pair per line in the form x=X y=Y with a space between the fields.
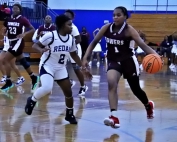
x=91 y=19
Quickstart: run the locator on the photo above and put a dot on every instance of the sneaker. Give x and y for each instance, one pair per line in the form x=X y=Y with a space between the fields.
x=29 y=106
x=90 y=63
x=70 y=117
x=35 y=83
x=83 y=90
x=112 y=121
x=98 y=64
x=7 y=86
x=73 y=83
x=3 y=80
x=20 y=81
x=150 y=111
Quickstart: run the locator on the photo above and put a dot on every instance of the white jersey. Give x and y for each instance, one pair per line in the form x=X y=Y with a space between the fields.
x=59 y=51
x=74 y=33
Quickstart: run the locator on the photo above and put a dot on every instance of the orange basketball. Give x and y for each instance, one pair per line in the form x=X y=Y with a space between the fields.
x=152 y=63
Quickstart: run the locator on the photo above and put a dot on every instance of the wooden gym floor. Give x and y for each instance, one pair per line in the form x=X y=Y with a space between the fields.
x=47 y=123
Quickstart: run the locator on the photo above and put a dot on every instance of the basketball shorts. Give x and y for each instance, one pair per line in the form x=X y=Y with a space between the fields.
x=79 y=53
x=97 y=48
x=6 y=48
x=128 y=67
x=57 y=74
x=6 y=44
x=16 y=47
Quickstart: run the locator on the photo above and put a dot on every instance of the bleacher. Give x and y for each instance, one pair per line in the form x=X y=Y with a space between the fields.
x=155 y=26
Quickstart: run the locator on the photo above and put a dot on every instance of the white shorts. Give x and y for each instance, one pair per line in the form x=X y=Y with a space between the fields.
x=79 y=53
x=57 y=74
x=97 y=48
x=6 y=44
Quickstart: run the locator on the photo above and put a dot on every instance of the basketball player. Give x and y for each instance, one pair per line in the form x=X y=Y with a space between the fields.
x=47 y=27
x=21 y=79
x=121 y=61
x=96 y=50
x=79 y=74
x=15 y=26
x=55 y=47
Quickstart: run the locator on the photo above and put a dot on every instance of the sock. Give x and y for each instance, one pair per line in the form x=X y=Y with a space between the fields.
x=83 y=86
x=147 y=106
x=113 y=112
x=34 y=99
x=69 y=108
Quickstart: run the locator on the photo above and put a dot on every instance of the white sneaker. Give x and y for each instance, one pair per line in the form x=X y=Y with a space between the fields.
x=20 y=81
x=98 y=64
x=83 y=90
x=3 y=80
x=73 y=83
x=90 y=63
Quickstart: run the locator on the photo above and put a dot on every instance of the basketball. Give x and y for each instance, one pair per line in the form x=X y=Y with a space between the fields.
x=152 y=63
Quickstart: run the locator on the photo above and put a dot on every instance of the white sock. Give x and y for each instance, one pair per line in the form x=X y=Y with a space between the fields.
x=34 y=99
x=113 y=113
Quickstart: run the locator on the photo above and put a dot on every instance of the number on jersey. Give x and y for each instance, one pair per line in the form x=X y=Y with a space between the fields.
x=13 y=30
x=116 y=50
x=62 y=59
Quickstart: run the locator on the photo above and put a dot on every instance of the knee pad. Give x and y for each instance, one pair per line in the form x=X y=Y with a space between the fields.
x=75 y=67
x=24 y=63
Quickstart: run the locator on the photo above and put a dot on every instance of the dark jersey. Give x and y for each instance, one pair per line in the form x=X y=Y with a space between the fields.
x=16 y=26
x=119 y=46
x=45 y=29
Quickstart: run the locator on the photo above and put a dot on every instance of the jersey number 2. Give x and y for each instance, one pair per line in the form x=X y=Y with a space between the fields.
x=12 y=30
x=62 y=59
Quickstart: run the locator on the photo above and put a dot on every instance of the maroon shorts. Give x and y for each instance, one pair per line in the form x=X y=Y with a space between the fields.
x=128 y=67
x=16 y=47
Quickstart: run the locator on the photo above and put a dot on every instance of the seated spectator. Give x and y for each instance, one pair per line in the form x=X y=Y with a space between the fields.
x=165 y=47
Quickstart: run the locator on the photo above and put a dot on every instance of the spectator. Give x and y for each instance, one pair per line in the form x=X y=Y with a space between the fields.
x=84 y=40
x=165 y=47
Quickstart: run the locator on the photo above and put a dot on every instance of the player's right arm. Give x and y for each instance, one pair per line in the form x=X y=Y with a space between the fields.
x=41 y=45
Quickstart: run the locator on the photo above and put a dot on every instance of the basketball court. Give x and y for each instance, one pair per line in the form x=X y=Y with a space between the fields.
x=47 y=123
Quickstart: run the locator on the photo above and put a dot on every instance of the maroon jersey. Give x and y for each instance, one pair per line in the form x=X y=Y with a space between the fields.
x=45 y=29
x=118 y=44
x=16 y=26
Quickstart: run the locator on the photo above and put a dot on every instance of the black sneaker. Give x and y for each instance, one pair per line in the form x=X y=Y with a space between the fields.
x=29 y=106
x=83 y=90
x=70 y=117
x=7 y=86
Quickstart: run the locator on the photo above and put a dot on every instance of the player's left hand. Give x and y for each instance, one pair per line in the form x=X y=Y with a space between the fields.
x=86 y=73
x=21 y=35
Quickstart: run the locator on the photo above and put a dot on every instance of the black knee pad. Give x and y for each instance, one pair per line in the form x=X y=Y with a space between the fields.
x=75 y=67
x=24 y=63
